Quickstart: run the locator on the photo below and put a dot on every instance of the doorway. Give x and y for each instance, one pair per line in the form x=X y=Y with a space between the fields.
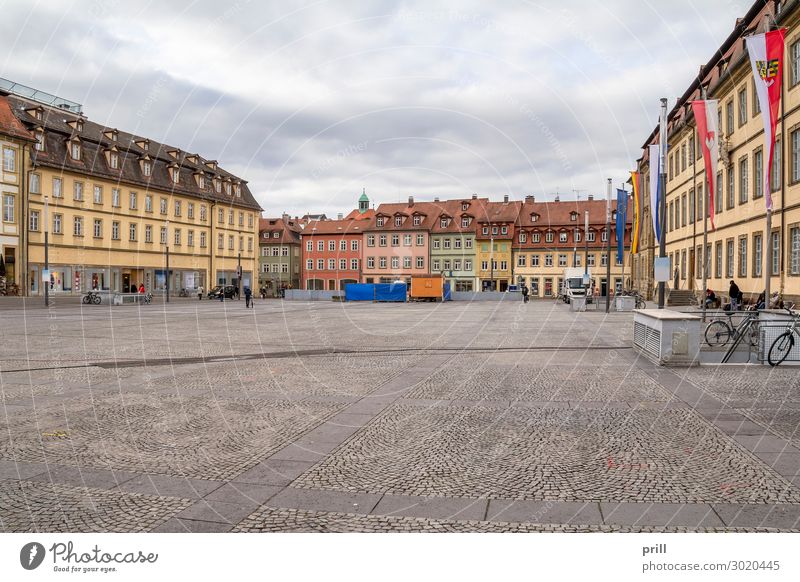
x=126 y=282
x=691 y=269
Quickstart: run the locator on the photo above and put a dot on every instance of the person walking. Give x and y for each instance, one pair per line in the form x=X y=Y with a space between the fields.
x=141 y=288
x=199 y=292
x=524 y=289
x=247 y=297
x=735 y=295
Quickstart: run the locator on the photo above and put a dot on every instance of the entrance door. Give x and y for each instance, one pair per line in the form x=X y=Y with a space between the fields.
x=603 y=287
x=126 y=282
x=691 y=269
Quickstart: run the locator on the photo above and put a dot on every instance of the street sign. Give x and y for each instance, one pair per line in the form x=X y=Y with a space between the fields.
x=45 y=275
x=661 y=269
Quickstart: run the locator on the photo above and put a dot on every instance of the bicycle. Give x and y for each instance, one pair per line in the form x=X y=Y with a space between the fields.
x=92 y=297
x=783 y=344
x=719 y=332
x=639 y=298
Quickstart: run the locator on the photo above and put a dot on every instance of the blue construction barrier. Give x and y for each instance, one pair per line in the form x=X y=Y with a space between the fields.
x=448 y=296
x=391 y=292
x=359 y=292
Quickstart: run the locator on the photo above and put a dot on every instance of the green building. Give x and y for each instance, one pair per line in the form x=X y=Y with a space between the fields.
x=452 y=242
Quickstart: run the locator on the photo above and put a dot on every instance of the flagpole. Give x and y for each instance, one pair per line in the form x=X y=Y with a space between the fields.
x=706 y=213
x=608 y=247
x=623 y=236
x=662 y=186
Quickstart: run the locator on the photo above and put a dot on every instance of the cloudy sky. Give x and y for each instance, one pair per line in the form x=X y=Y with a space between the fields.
x=313 y=100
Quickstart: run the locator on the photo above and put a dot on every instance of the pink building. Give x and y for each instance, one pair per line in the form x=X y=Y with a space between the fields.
x=396 y=242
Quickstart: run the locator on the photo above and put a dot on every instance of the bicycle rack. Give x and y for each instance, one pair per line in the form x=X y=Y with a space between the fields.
x=744 y=334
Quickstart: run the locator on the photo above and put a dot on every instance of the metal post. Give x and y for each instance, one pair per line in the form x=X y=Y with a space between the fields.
x=662 y=186
x=491 y=262
x=608 y=246
x=167 y=279
x=239 y=277
x=586 y=252
x=46 y=253
x=705 y=247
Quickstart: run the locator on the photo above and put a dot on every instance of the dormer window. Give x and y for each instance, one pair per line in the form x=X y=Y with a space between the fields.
x=113 y=160
x=485 y=230
x=465 y=221
x=143 y=143
x=523 y=237
x=201 y=181
x=175 y=174
x=443 y=223
x=494 y=230
x=39 y=140
x=147 y=167
x=192 y=158
x=211 y=164
x=228 y=188
x=379 y=221
x=237 y=189
x=217 y=185
x=398 y=221
x=79 y=125
x=534 y=217
x=75 y=150
x=174 y=153
x=464 y=206
x=111 y=134
x=573 y=216
x=36 y=112
x=417 y=220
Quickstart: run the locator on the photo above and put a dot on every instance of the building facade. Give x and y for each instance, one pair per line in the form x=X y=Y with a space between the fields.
x=15 y=148
x=493 y=241
x=551 y=237
x=331 y=254
x=396 y=241
x=279 y=255
x=739 y=248
x=116 y=205
x=452 y=242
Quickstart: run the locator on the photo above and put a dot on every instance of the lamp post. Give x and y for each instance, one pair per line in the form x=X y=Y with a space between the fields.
x=586 y=253
x=239 y=277
x=166 y=241
x=491 y=262
x=662 y=199
x=608 y=246
x=46 y=252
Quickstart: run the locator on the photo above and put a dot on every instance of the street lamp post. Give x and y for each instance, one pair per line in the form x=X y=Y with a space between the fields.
x=608 y=247
x=586 y=253
x=46 y=253
x=662 y=199
x=491 y=262
x=239 y=276
x=167 y=261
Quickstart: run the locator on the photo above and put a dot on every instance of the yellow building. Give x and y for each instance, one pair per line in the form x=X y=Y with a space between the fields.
x=116 y=205
x=493 y=240
x=14 y=140
x=739 y=247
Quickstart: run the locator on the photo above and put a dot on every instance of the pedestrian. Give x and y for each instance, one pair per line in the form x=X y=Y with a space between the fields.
x=247 y=296
x=141 y=288
x=677 y=279
x=222 y=293
x=735 y=295
x=524 y=289
x=711 y=298
x=199 y=292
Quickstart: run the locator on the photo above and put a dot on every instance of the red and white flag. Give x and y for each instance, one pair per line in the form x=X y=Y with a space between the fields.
x=766 y=59
x=705 y=114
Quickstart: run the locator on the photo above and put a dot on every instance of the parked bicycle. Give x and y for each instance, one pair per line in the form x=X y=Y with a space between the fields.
x=148 y=297
x=719 y=332
x=783 y=344
x=640 y=302
x=183 y=293
x=92 y=297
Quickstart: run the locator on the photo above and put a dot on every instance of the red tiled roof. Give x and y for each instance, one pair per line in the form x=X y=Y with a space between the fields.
x=316 y=227
x=289 y=231
x=10 y=125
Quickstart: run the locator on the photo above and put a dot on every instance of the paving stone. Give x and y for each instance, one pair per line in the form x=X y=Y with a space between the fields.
x=780 y=516
x=83 y=477
x=218 y=511
x=170 y=486
x=244 y=493
x=544 y=512
x=176 y=525
x=274 y=472
x=765 y=444
x=432 y=507
x=360 y=503
x=20 y=470
x=785 y=463
x=660 y=514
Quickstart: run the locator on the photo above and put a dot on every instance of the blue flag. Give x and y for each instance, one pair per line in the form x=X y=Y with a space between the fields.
x=622 y=211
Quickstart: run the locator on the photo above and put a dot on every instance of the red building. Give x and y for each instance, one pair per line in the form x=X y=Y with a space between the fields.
x=332 y=253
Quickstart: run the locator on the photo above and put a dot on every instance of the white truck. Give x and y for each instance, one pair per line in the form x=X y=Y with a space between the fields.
x=572 y=283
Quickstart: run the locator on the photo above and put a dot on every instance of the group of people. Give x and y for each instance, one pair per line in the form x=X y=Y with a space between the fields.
x=736 y=299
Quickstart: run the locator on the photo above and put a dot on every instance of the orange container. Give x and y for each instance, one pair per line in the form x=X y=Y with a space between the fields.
x=427 y=287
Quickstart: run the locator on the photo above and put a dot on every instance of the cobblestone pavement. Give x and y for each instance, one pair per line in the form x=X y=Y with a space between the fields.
x=201 y=416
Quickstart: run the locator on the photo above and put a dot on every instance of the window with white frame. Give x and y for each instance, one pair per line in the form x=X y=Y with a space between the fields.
x=77 y=190
x=77 y=226
x=98 y=228
x=148 y=234
x=98 y=194
x=33 y=221
x=35 y=184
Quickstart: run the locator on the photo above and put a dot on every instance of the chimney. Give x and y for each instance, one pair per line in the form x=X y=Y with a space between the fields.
x=505 y=199
x=285 y=217
x=529 y=198
x=474 y=196
x=411 y=201
x=340 y=216
x=436 y=199
x=591 y=196
x=558 y=199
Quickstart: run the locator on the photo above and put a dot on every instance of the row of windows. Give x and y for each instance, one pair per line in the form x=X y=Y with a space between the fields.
x=78 y=229
x=563 y=260
x=276 y=251
x=332 y=264
x=78 y=194
x=276 y=268
x=395 y=262
x=563 y=236
x=503 y=265
x=447 y=243
x=332 y=245
x=740 y=257
x=448 y=265
x=395 y=238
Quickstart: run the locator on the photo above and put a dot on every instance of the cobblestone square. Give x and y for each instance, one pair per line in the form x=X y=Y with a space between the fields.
x=310 y=416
